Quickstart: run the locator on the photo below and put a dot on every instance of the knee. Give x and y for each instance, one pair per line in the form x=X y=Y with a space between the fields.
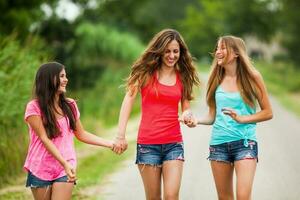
x=171 y=196
x=225 y=197
x=154 y=197
x=243 y=196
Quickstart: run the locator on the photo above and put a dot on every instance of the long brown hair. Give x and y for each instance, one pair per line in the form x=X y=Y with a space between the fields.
x=46 y=85
x=246 y=81
x=151 y=60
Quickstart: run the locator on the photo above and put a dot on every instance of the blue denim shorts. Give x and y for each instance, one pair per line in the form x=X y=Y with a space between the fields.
x=156 y=154
x=35 y=182
x=233 y=151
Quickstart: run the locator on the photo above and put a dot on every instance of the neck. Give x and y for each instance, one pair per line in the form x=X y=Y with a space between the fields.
x=166 y=70
x=230 y=69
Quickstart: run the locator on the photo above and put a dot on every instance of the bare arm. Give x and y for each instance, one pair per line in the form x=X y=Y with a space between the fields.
x=36 y=124
x=127 y=104
x=89 y=138
x=209 y=118
x=265 y=112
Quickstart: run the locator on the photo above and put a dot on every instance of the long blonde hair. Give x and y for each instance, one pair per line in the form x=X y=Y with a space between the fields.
x=246 y=81
x=151 y=60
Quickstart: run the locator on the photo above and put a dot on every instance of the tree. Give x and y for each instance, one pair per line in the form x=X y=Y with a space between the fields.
x=18 y=16
x=290 y=20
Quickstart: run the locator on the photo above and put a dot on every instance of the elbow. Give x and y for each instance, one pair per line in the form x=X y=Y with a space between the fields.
x=269 y=115
x=211 y=122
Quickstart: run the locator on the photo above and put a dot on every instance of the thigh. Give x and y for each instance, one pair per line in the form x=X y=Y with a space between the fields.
x=148 y=154
x=223 y=176
x=42 y=193
x=62 y=190
x=172 y=173
x=151 y=176
x=41 y=189
x=245 y=171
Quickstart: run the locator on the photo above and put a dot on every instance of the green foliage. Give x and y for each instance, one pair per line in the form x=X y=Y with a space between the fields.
x=18 y=16
x=281 y=77
x=291 y=29
x=17 y=70
x=202 y=26
x=210 y=19
x=104 y=101
x=97 y=47
x=100 y=40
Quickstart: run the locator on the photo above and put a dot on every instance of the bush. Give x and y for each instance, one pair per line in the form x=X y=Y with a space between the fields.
x=18 y=65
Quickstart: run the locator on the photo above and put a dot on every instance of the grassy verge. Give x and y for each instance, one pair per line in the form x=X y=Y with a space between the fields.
x=282 y=80
x=93 y=169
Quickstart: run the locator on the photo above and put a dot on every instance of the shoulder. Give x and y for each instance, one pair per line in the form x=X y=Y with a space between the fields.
x=70 y=100
x=32 y=108
x=148 y=78
x=33 y=104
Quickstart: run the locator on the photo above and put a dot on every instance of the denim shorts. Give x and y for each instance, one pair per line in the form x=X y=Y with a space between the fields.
x=156 y=154
x=233 y=151
x=35 y=182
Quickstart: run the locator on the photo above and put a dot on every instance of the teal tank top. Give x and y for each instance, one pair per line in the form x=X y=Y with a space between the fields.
x=225 y=129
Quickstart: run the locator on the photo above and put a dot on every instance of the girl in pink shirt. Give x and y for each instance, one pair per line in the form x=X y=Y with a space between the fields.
x=164 y=75
x=53 y=121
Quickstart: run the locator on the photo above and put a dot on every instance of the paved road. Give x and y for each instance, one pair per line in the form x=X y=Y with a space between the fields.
x=278 y=171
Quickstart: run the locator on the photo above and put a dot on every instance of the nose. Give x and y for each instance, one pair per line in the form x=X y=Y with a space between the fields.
x=172 y=55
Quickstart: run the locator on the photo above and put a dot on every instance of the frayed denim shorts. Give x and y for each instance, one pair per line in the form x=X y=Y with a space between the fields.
x=156 y=154
x=233 y=151
x=35 y=182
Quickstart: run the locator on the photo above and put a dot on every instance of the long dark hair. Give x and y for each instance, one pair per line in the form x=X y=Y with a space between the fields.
x=151 y=60
x=46 y=85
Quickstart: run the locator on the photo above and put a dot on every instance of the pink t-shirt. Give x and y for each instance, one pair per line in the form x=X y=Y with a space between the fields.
x=159 y=123
x=39 y=161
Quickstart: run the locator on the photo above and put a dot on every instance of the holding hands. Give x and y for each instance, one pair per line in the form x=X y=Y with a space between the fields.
x=120 y=145
x=188 y=118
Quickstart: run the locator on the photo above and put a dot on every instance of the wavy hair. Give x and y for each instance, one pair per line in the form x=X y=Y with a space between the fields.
x=151 y=60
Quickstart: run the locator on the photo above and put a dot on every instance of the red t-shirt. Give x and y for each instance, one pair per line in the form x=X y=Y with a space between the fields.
x=159 y=122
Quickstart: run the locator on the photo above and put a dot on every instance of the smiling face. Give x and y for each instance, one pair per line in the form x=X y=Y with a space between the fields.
x=224 y=55
x=171 y=54
x=62 y=82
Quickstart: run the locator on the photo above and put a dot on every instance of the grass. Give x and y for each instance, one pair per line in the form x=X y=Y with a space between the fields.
x=282 y=80
x=93 y=169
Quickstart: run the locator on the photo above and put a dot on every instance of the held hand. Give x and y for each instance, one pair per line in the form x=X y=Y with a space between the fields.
x=232 y=113
x=188 y=119
x=70 y=171
x=120 y=145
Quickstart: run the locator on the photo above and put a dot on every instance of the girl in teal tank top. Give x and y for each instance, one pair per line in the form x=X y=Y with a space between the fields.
x=234 y=90
x=225 y=128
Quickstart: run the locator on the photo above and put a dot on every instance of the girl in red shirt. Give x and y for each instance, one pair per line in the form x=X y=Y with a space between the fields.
x=165 y=76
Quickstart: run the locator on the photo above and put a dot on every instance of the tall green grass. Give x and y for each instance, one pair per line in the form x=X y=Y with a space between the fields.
x=104 y=101
x=96 y=40
x=18 y=64
x=111 y=52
